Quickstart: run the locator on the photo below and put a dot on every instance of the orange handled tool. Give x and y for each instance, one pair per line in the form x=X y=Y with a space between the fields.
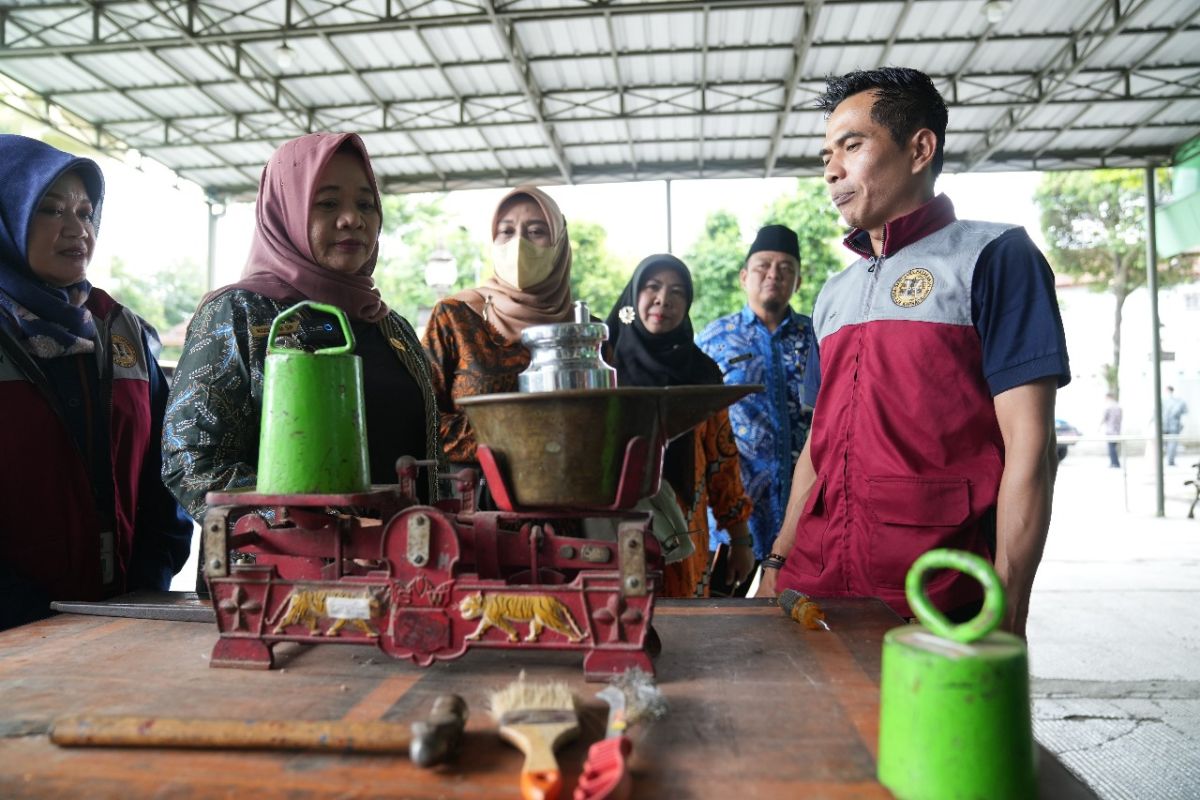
x=803 y=609
x=536 y=718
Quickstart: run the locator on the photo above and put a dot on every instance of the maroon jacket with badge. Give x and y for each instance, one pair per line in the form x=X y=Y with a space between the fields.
x=913 y=347
x=64 y=534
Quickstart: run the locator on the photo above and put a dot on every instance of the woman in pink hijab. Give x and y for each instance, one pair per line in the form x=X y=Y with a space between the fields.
x=316 y=237
x=473 y=338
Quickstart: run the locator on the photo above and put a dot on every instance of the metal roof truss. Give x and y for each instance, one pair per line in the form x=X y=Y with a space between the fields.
x=467 y=93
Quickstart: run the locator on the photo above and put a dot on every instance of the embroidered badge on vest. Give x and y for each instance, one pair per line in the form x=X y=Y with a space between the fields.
x=912 y=288
x=124 y=355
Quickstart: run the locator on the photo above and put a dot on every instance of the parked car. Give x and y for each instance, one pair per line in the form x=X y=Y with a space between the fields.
x=1063 y=428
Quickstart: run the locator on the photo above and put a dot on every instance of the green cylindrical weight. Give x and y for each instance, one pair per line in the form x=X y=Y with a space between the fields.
x=313 y=438
x=954 y=716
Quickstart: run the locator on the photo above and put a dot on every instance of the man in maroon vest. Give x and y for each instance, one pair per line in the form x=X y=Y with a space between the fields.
x=933 y=383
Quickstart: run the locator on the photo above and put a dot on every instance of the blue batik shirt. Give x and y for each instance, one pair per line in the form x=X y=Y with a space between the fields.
x=771 y=426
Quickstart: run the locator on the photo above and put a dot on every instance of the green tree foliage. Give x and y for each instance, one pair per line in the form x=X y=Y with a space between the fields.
x=715 y=260
x=163 y=298
x=1095 y=225
x=413 y=228
x=811 y=215
x=597 y=276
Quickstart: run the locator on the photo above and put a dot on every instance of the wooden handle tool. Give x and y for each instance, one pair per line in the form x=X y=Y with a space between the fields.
x=230 y=734
x=436 y=739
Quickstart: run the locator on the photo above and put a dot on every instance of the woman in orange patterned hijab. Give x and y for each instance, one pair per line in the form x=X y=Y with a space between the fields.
x=473 y=338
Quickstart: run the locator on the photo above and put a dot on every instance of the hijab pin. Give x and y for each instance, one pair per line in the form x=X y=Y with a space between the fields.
x=627 y=315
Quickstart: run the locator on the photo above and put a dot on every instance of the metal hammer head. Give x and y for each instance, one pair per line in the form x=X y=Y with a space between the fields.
x=436 y=738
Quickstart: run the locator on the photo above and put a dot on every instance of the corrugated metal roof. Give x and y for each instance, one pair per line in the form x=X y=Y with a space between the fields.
x=461 y=93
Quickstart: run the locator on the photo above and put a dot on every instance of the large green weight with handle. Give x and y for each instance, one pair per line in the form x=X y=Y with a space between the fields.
x=954 y=710
x=313 y=438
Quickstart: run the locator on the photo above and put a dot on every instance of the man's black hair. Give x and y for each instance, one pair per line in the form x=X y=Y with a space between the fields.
x=905 y=101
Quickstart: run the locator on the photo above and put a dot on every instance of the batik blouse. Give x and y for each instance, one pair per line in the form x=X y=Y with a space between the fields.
x=468 y=357
x=718 y=486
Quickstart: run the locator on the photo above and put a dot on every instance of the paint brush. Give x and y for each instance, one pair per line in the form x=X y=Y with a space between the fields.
x=536 y=718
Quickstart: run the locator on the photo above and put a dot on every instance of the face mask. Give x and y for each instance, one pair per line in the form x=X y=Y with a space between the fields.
x=521 y=263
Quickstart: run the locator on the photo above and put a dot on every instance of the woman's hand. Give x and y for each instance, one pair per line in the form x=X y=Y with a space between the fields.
x=741 y=563
x=741 y=554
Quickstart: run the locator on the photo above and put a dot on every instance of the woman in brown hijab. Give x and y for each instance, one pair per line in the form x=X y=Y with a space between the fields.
x=317 y=223
x=473 y=338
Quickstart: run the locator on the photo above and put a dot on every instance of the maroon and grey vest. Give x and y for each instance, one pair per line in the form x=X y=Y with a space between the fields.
x=53 y=531
x=905 y=442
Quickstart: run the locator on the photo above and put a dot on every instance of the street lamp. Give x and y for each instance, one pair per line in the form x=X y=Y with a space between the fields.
x=441 y=271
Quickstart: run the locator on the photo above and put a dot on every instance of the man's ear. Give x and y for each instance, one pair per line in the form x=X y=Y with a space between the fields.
x=922 y=147
x=742 y=278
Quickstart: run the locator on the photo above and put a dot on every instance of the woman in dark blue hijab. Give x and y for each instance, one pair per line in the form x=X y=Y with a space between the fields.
x=85 y=513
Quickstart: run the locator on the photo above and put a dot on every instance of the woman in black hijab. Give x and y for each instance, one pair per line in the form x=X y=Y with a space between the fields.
x=653 y=345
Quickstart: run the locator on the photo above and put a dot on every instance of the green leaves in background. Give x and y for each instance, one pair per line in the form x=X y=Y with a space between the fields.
x=597 y=276
x=165 y=298
x=717 y=258
x=413 y=228
x=1095 y=227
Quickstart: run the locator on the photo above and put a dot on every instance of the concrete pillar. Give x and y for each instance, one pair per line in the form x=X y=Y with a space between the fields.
x=215 y=212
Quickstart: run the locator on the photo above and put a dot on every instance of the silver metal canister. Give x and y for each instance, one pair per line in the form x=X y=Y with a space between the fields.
x=566 y=355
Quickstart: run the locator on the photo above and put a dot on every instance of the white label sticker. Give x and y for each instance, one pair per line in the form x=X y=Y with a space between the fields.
x=348 y=608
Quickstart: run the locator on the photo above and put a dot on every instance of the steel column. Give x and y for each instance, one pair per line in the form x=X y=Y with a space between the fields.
x=1155 y=344
x=669 y=248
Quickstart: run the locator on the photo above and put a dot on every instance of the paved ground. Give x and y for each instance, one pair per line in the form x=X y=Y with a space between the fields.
x=1114 y=631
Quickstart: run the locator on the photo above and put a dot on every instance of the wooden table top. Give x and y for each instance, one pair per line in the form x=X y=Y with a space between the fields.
x=759 y=708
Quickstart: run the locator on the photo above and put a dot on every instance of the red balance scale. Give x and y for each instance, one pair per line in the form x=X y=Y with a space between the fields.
x=428 y=582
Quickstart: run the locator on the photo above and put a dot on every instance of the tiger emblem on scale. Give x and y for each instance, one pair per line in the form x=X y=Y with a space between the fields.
x=539 y=610
x=307 y=605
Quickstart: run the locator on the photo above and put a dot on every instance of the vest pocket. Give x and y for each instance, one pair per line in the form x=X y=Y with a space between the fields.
x=808 y=552
x=909 y=516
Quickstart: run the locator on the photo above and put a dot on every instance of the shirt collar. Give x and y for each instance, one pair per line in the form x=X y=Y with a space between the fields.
x=903 y=231
x=749 y=317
